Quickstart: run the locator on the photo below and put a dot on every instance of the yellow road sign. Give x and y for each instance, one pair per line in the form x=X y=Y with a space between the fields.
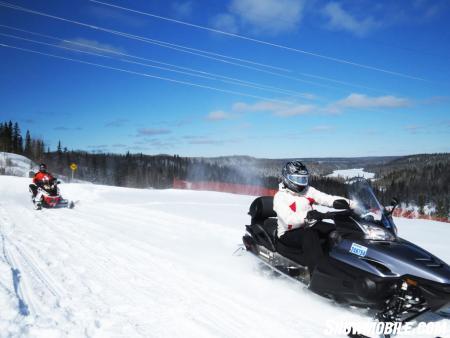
x=73 y=166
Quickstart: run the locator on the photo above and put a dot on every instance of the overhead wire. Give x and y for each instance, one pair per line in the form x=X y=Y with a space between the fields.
x=192 y=84
x=99 y=55
x=188 y=51
x=196 y=73
x=239 y=36
x=180 y=48
x=30 y=11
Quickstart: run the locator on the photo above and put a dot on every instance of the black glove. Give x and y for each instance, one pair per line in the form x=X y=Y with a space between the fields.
x=314 y=214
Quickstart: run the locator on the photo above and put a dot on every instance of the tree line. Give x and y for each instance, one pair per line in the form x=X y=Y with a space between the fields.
x=12 y=141
x=420 y=179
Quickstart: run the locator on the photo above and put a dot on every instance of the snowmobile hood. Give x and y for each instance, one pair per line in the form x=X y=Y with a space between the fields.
x=392 y=259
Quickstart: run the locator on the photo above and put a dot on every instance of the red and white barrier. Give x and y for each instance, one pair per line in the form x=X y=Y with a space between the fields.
x=240 y=189
x=252 y=190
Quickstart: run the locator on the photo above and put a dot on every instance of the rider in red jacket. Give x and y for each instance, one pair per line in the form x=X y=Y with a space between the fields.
x=40 y=179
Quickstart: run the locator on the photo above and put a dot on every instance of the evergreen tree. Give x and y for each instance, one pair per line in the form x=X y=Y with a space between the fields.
x=27 y=149
x=17 y=146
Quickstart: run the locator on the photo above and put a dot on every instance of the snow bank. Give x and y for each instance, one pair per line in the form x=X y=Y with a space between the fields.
x=349 y=173
x=152 y=263
x=16 y=165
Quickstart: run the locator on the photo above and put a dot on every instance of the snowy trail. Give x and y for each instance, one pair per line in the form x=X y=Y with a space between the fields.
x=148 y=263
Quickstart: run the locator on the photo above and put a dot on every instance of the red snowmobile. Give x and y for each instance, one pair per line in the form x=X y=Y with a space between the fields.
x=49 y=196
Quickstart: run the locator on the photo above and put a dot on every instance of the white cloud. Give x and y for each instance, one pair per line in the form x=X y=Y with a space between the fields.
x=218 y=115
x=413 y=128
x=108 y=14
x=308 y=96
x=293 y=110
x=360 y=18
x=355 y=100
x=91 y=46
x=116 y=123
x=269 y=16
x=225 y=22
x=277 y=109
x=182 y=9
x=262 y=16
x=352 y=101
x=152 y=131
x=263 y=106
x=340 y=19
x=435 y=100
x=428 y=10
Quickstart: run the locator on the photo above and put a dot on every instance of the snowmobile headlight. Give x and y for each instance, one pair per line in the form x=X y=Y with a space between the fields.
x=377 y=233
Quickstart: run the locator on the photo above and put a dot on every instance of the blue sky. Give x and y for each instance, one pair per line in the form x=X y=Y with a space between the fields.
x=277 y=78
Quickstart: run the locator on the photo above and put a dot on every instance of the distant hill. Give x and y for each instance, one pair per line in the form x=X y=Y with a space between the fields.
x=318 y=166
x=422 y=180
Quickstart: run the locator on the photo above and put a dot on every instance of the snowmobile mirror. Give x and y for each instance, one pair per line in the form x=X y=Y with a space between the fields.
x=341 y=204
x=58 y=182
x=394 y=202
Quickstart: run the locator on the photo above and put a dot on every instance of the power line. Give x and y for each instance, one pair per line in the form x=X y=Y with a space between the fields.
x=262 y=42
x=196 y=73
x=190 y=50
x=180 y=48
x=104 y=49
x=340 y=82
x=192 y=84
x=148 y=40
x=11 y=6
x=100 y=55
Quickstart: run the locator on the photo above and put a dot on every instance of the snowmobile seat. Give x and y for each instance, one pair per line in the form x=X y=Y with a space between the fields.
x=262 y=213
x=261 y=209
x=264 y=223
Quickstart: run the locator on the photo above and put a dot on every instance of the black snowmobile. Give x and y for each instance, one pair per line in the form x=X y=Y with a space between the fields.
x=366 y=263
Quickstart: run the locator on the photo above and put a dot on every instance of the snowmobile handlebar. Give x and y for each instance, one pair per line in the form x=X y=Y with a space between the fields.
x=318 y=216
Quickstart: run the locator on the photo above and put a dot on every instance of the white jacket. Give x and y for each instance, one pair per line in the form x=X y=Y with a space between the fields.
x=291 y=207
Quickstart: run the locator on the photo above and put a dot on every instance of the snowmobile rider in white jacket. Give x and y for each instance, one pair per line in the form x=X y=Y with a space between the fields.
x=293 y=204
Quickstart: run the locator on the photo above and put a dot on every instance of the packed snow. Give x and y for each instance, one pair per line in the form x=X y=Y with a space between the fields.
x=349 y=173
x=152 y=263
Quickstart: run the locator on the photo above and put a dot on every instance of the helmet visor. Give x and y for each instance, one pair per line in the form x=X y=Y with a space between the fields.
x=298 y=179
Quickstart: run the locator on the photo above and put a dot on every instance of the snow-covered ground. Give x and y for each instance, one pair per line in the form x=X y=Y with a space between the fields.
x=16 y=165
x=152 y=263
x=349 y=173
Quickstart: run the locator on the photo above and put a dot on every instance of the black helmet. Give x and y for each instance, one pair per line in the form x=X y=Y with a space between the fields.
x=43 y=167
x=295 y=176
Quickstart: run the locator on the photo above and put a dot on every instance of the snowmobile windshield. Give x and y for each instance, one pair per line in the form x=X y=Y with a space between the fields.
x=368 y=207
